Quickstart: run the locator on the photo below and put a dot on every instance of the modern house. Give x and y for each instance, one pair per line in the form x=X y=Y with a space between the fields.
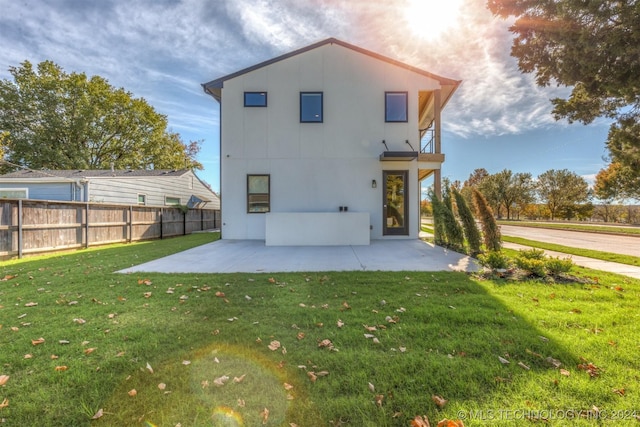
x=131 y=187
x=326 y=145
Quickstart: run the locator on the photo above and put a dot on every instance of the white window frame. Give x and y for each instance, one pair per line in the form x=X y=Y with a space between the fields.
x=144 y=201
x=166 y=202
x=2 y=190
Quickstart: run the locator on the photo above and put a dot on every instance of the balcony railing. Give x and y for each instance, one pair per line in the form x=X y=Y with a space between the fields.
x=427 y=142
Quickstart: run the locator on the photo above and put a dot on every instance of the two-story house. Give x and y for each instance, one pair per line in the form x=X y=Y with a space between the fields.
x=326 y=145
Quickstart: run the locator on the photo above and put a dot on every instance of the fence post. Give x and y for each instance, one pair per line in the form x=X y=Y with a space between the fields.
x=20 y=240
x=161 y=230
x=130 y=228
x=86 y=225
x=184 y=222
x=201 y=219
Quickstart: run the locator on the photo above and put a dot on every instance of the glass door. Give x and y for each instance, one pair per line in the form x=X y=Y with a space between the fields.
x=395 y=203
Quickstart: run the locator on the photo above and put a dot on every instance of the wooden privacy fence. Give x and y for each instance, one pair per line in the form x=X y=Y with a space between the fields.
x=33 y=226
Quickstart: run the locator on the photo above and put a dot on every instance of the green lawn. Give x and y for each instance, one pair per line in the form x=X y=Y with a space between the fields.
x=314 y=349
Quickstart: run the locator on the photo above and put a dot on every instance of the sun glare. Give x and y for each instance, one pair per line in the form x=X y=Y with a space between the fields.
x=430 y=19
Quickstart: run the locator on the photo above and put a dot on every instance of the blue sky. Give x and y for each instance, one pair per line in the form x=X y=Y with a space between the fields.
x=162 y=50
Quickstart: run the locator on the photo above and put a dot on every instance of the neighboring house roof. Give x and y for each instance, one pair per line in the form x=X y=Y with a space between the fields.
x=79 y=173
x=213 y=87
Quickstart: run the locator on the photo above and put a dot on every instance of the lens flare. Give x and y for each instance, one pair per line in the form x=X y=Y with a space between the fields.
x=223 y=416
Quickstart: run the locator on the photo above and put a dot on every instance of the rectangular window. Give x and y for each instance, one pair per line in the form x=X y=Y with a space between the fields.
x=14 y=193
x=171 y=201
x=258 y=193
x=142 y=199
x=396 y=107
x=255 y=99
x=310 y=107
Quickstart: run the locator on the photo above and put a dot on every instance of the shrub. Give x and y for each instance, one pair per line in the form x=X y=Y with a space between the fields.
x=470 y=228
x=532 y=253
x=557 y=265
x=490 y=230
x=438 y=220
x=534 y=266
x=494 y=260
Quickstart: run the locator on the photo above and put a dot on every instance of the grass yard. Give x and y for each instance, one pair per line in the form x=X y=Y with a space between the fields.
x=572 y=226
x=315 y=349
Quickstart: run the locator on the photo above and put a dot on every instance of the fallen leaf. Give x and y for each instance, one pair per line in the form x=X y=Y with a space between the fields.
x=287 y=386
x=369 y=336
x=619 y=391
x=220 y=294
x=370 y=328
x=379 y=399
x=8 y=277
x=144 y=282
x=274 y=345
x=565 y=372
x=61 y=368
x=239 y=379
x=340 y=323
x=4 y=403
x=162 y=386
x=450 y=423
x=38 y=341
x=132 y=392
x=147 y=294
x=553 y=362
x=590 y=368
x=438 y=400
x=322 y=373
x=28 y=356
x=420 y=421
x=345 y=306
x=89 y=350
x=80 y=321
x=186 y=362
x=98 y=414
x=31 y=304
x=300 y=335
x=375 y=340
x=241 y=403
x=312 y=376
x=204 y=383
x=265 y=415
x=3 y=379
x=220 y=381
x=272 y=280
x=523 y=366
x=372 y=388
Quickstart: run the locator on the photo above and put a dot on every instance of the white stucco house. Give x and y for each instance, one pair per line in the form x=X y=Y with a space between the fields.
x=326 y=145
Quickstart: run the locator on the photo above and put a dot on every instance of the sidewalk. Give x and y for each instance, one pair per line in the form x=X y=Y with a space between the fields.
x=596 y=264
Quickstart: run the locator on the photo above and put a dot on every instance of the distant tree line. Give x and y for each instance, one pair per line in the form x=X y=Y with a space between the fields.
x=553 y=195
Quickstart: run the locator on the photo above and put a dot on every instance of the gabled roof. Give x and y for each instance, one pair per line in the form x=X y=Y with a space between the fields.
x=79 y=173
x=213 y=87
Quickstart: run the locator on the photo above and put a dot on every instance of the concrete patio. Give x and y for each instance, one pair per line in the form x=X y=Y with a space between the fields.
x=252 y=256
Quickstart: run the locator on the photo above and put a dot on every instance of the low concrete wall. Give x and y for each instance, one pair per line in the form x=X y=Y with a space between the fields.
x=317 y=228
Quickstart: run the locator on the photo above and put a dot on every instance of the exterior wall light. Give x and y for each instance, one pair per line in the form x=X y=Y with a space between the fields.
x=374 y=184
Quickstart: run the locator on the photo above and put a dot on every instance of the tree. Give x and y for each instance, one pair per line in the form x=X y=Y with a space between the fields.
x=562 y=191
x=592 y=47
x=490 y=231
x=54 y=120
x=471 y=232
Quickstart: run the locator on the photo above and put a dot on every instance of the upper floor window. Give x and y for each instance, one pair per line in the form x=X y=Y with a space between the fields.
x=142 y=199
x=395 y=107
x=311 y=107
x=255 y=99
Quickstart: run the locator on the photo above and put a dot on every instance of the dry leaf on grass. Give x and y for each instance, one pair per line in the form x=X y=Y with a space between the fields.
x=132 y=392
x=149 y=368
x=220 y=381
x=372 y=388
x=265 y=415
x=450 y=423
x=28 y=356
x=379 y=399
x=565 y=372
x=420 y=421
x=287 y=386
x=340 y=323
x=274 y=345
x=144 y=282
x=38 y=341
x=239 y=379
x=3 y=379
x=79 y=321
x=4 y=403
x=61 y=368
x=98 y=414
x=89 y=350
x=31 y=304
x=438 y=400
x=162 y=386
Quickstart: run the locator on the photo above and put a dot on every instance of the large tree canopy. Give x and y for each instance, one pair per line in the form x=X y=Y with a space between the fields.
x=54 y=120
x=592 y=47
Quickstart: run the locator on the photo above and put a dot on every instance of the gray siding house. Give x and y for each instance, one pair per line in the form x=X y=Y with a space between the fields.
x=130 y=187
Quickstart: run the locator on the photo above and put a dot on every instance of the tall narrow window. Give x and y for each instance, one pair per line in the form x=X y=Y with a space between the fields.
x=395 y=107
x=311 y=107
x=258 y=193
x=255 y=99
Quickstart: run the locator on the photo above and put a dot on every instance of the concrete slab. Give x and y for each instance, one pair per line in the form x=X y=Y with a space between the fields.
x=252 y=256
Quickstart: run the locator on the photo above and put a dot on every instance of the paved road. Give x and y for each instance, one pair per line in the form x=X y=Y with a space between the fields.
x=577 y=239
